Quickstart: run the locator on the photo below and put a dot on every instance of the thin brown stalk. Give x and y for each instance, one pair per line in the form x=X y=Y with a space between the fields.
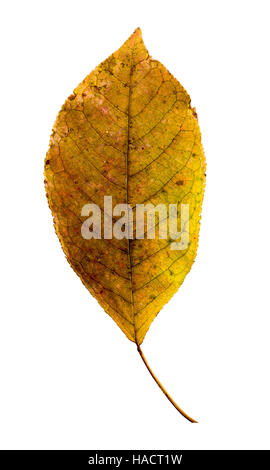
x=163 y=389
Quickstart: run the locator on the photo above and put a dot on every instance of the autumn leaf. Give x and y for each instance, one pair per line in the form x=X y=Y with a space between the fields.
x=127 y=132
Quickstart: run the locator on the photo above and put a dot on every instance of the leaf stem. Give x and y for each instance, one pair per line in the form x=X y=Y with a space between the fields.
x=163 y=389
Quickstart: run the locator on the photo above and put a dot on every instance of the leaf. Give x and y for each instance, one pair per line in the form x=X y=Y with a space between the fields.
x=128 y=131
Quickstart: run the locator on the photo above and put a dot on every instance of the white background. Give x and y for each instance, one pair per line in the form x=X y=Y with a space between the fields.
x=69 y=377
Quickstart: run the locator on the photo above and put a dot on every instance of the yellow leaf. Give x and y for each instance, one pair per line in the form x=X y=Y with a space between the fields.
x=127 y=132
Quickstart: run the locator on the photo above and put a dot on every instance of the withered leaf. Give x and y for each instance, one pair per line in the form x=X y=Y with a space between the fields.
x=128 y=131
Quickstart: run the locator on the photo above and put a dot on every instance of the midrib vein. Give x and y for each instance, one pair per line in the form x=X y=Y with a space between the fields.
x=127 y=195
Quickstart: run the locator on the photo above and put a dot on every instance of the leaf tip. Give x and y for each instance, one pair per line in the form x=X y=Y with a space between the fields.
x=137 y=32
x=136 y=37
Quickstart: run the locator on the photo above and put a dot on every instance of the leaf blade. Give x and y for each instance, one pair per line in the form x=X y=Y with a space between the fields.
x=128 y=131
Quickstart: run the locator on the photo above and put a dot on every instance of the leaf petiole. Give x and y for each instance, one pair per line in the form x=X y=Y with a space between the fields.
x=163 y=389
